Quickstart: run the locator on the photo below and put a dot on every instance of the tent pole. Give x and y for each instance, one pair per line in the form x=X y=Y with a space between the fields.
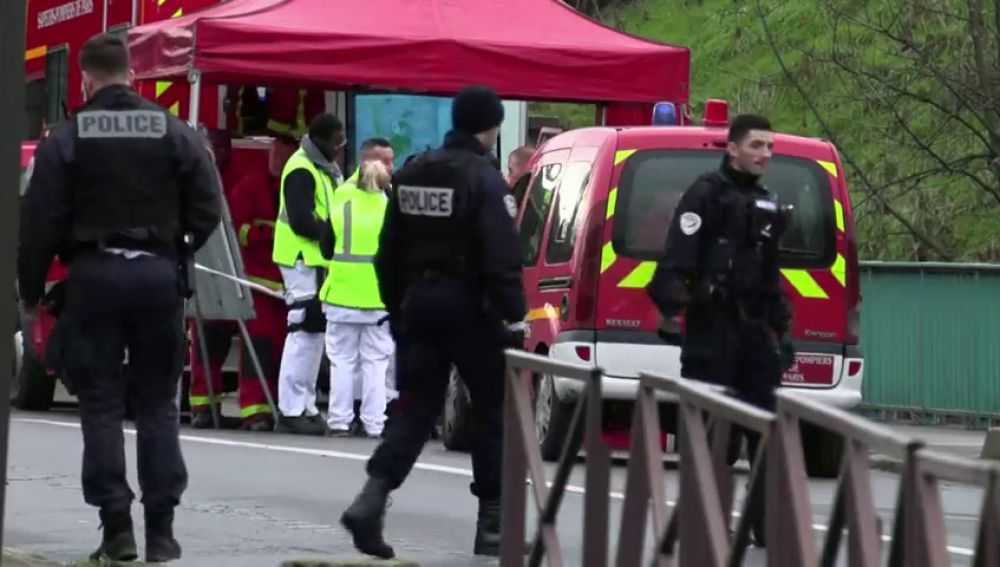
x=194 y=77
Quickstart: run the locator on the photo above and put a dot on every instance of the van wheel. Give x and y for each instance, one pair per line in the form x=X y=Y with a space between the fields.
x=456 y=428
x=823 y=451
x=33 y=388
x=553 y=418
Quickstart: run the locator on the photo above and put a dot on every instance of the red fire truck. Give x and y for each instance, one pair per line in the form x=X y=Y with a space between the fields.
x=56 y=30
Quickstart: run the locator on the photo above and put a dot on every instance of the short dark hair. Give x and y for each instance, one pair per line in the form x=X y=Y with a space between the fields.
x=372 y=143
x=325 y=126
x=104 y=55
x=744 y=123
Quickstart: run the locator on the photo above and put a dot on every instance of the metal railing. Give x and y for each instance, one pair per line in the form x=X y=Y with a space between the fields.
x=698 y=531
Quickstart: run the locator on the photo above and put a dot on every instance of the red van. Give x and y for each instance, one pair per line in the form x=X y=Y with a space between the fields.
x=593 y=219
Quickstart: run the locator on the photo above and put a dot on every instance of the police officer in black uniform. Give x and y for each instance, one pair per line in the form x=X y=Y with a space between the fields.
x=720 y=268
x=114 y=192
x=450 y=273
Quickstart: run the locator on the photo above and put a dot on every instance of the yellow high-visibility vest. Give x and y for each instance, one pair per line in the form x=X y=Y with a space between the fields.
x=288 y=246
x=356 y=218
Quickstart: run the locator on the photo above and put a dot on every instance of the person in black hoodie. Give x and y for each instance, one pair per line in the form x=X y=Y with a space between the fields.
x=450 y=274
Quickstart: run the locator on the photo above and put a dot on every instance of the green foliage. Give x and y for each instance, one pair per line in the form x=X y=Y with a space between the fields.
x=907 y=90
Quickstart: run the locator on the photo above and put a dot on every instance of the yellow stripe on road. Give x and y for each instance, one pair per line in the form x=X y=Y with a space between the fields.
x=640 y=276
x=804 y=284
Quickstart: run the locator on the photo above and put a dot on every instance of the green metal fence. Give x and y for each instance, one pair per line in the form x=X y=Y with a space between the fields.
x=931 y=337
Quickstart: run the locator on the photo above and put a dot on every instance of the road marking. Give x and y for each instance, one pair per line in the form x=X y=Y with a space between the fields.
x=954 y=550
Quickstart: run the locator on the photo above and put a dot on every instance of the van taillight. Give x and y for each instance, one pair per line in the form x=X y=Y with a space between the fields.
x=853 y=289
x=585 y=312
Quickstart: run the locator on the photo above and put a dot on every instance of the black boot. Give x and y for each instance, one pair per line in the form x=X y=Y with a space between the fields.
x=365 y=519
x=118 y=539
x=202 y=420
x=488 y=529
x=160 y=543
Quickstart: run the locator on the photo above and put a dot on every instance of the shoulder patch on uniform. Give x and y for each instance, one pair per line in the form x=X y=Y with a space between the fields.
x=511 y=205
x=690 y=223
x=122 y=124
x=426 y=201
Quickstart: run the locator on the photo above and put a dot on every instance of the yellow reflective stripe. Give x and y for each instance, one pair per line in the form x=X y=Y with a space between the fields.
x=612 y=201
x=161 y=2
x=640 y=276
x=245 y=234
x=622 y=155
x=269 y=284
x=838 y=209
x=262 y=222
x=804 y=284
x=251 y=411
x=161 y=87
x=202 y=401
x=829 y=166
x=175 y=109
x=608 y=256
x=839 y=269
x=545 y=312
x=36 y=52
x=178 y=13
x=279 y=127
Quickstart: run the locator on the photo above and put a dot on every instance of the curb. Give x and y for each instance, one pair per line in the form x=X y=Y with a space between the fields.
x=17 y=558
x=368 y=562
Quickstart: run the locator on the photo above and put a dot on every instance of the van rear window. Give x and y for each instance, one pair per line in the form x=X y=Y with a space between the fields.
x=654 y=180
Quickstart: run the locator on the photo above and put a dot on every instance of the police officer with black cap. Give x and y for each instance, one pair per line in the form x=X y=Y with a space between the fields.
x=720 y=268
x=115 y=192
x=450 y=274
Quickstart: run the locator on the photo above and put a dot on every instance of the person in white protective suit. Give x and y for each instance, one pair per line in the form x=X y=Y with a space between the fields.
x=358 y=341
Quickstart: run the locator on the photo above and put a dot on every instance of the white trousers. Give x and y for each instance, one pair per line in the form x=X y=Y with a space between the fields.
x=364 y=350
x=303 y=354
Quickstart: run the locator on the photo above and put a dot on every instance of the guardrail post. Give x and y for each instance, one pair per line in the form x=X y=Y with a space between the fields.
x=862 y=531
x=723 y=435
x=515 y=469
x=988 y=539
x=598 y=481
x=644 y=481
x=790 y=537
x=925 y=537
x=703 y=534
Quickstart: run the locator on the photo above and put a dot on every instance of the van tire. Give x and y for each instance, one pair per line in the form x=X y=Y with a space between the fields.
x=823 y=451
x=456 y=427
x=33 y=388
x=553 y=418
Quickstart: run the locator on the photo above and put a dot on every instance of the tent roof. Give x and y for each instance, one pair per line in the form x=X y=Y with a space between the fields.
x=525 y=49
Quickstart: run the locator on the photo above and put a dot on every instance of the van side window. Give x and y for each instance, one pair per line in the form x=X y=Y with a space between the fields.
x=565 y=220
x=520 y=188
x=56 y=83
x=536 y=210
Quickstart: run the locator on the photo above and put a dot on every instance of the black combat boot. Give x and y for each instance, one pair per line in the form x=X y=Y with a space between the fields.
x=488 y=529
x=365 y=519
x=160 y=543
x=118 y=539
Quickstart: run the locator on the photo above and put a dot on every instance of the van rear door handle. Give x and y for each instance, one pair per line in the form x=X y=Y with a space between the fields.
x=551 y=284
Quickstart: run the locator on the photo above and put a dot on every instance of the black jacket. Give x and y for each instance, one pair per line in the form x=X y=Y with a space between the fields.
x=477 y=236
x=134 y=157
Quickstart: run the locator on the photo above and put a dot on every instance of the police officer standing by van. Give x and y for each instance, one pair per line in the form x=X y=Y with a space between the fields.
x=115 y=191
x=720 y=268
x=449 y=270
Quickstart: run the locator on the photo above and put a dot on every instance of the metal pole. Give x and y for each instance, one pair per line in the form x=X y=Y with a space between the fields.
x=104 y=18
x=12 y=117
x=194 y=77
x=251 y=349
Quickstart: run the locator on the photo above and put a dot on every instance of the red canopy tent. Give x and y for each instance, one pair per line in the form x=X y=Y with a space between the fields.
x=524 y=49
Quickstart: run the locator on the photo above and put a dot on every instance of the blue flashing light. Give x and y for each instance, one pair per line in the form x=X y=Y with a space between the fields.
x=665 y=114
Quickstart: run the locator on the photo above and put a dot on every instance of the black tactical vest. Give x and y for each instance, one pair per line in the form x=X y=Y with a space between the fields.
x=125 y=185
x=437 y=197
x=745 y=227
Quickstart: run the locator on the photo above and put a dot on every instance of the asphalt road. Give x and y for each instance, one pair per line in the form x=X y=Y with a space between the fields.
x=260 y=499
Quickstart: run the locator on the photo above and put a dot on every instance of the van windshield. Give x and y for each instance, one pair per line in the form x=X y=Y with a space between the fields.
x=654 y=180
